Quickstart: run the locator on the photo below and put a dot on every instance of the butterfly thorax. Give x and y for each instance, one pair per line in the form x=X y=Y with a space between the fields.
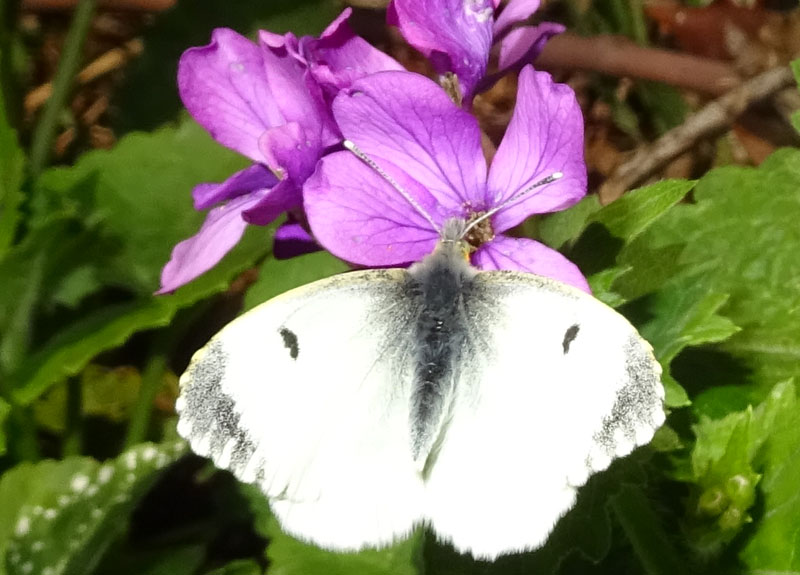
x=439 y=283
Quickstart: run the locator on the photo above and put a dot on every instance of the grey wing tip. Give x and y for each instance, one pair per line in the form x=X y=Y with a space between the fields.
x=207 y=415
x=638 y=409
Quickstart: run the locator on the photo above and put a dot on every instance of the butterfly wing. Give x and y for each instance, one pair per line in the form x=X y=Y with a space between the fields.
x=555 y=385
x=307 y=395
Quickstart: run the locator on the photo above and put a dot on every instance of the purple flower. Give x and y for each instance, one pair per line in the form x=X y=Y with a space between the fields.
x=408 y=126
x=457 y=36
x=337 y=58
x=269 y=102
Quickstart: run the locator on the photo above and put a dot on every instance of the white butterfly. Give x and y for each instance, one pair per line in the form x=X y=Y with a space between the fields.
x=371 y=402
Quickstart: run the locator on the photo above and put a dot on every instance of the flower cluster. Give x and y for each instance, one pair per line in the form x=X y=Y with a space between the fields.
x=288 y=104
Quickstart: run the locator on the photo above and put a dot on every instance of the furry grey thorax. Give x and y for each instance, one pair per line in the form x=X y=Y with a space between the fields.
x=440 y=283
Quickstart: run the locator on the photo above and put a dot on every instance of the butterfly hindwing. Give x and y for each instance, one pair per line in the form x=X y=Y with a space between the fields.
x=307 y=395
x=559 y=384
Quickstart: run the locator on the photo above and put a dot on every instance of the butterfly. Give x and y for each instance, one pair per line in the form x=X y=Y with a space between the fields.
x=475 y=402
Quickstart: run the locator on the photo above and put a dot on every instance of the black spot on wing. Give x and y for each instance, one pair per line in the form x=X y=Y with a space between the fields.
x=638 y=403
x=212 y=413
x=290 y=342
x=569 y=337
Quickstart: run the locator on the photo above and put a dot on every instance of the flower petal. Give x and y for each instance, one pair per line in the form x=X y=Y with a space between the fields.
x=256 y=177
x=339 y=57
x=524 y=255
x=225 y=88
x=359 y=217
x=285 y=196
x=408 y=120
x=522 y=45
x=300 y=97
x=455 y=35
x=196 y=255
x=291 y=151
x=291 y=240
x=545 y=136
x=514 y=11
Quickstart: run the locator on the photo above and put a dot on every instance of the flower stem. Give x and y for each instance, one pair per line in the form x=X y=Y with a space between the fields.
x=73 y=438
x=151 y=382
x=62 y=84
x=643 y=529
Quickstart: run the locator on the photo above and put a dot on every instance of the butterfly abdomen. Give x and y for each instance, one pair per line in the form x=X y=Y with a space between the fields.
x=438 y=283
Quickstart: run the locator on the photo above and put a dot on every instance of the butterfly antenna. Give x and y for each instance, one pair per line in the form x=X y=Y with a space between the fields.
x=543 y=182
x=372 y=164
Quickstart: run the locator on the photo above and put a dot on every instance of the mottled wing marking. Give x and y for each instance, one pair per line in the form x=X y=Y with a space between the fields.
x=208 y=415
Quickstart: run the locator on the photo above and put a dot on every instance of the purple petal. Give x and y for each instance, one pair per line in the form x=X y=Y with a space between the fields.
x=523 y=45
x=256 y=177
x=291 y=151
x=225 y=88
x=301 y=99
x=513 y=12
x=524 y=255
x=545 y=136
x=292 y=240
x=339 y=57
x=408 y=120
x=360 y=218
x=221 y=231
x=285 y=196
x=455 y=35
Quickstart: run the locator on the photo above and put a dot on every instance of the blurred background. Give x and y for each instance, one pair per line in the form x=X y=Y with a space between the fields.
x=97 y=163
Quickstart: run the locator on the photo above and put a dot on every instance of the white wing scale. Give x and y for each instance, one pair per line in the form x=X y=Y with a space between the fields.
x=541 y=404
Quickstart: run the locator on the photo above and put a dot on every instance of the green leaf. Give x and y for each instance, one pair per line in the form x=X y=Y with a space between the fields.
x=602 y=282
x=775 y=546
x=5 y=409
x=289 y=556
x=727 y=462
x=635 y=211
x=140 y=192
x=558 y=228
x=741 y=236
x=278 y=276
x=68 y=352
x=59 y=517
x=684 y=313
x=106 y=392
x=242 y=567
x=12 y=168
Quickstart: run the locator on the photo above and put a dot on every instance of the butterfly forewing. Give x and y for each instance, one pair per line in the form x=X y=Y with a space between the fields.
x=307 y=395
x=559 y=385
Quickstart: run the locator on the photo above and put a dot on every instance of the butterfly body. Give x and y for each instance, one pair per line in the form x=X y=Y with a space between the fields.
x=371 y=402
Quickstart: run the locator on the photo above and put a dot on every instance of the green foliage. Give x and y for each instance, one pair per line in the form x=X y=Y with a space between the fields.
x=113 y=227
x=12 y=164
x=58 y=517
x=5 y=409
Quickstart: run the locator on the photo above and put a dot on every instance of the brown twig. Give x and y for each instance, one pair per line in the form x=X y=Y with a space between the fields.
x=622 y=57
x=108 y=62
x=710 y=120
